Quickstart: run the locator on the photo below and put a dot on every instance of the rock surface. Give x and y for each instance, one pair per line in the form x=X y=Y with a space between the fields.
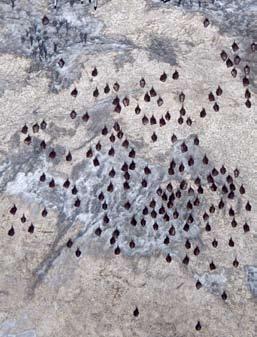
x=128 y=168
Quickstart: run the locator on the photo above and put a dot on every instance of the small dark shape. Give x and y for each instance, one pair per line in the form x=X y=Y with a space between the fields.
x=74 y=92
x=181 y=167
x=188 y=244
x=253 y=47
x=110 y=187
x=184 y=147
x=152 y=92
x=11 y=231
x=145 y=120
x=136 y=312
x=196 y=202
x=152 y=120
x=142 y=83
x=167 y=116
x=124 y=167
x=61 y=63
x=203 y=113
x=235 y=263
x=236 y=173
x=98 y=146
x=89 y=153
x=223 y=170
x=182 y=97
x=74 y=190
x=208 y=227
x=172 y=231
x=96 y=92
x=77 y=203
x=147 y=170
x=104 y=206
x=233 y=223
x=155 y=226
x=44 y=213
x=189 y=121
x=147 y=98
x=132 y=244
x=247 y=70
x=198 y=326
x=212 y=266
x=45 y=20
x=23 y=219
x=111 y=152
x=125 y=101
x=223 y=55
x=27 y=140
x=214 y=172
x=154 y=137
x=106 y=88
x=162 y=122
x=206 y=22
x=215 y=243
x=116 y=86
x=173 y=138
x=229 y=63
x=237 y=60
x=127 y=176
x=186 y=260
x=69 y=156
x=216 y=107
x=43 y=125
x=175 y=75
x=66 y=184
x=191 y=161
x=235 y=47
x=245 y=82
x=13 y=210
x=212 y=209
x=112 y=240
x=73 y=114
x=43 y=145
x=246 y=228
x=163 y=77
x=159 y=101
x=143 y=222
x=247 y=94
x=221 y=204
x=248 y=206
x=112 y=138
x=168 y=258
x=234 y=72
x=31 y=228
x=125 y=143
x=205 y=160
x=116 y=100
x=219 y=91
x=94 y=72
x=248 y=103
x=224 y=296
x=132 y=153
x=24 y=129
x=211 y=97
x=231 y=243
x=242 y=189
x=52 y=183
x=127 y=205
x=196 y=251
x=35 y=128
x=198 y=285
x=78 y=252
x=101 y=196
x=137 y=110
x=182 y=111
x=117 y=250
x=42 y=177
x=112 y=173
x=52 y=154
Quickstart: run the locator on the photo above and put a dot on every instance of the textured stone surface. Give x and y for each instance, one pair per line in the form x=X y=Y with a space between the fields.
x=87 y=289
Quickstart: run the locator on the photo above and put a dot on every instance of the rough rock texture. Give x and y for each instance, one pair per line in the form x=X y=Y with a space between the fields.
x=128 y=168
